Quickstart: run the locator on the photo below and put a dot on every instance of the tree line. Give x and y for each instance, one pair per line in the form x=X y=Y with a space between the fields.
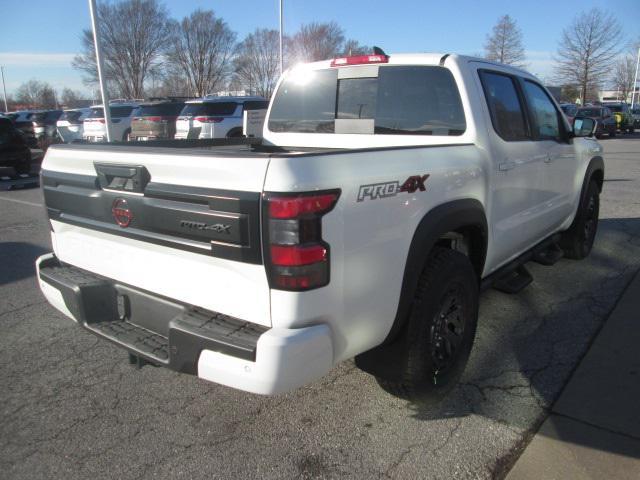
x=591 y=53
x=147 y=53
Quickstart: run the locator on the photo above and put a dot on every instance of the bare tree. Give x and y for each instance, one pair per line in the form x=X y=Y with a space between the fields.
x=316 y=41
x=201 y=49
x=133 y=35
x=70 y=98
x=257 y=63
x=504 y=45
x=36 y=94
x=168 y=83
x=624 y=75
x=588 y=49
x=353 y=47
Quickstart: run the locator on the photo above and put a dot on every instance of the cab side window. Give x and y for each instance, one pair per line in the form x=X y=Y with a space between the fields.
x=545 y=116
x=507 y=114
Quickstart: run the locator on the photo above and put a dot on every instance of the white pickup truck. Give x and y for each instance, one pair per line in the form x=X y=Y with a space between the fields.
x=387 y=192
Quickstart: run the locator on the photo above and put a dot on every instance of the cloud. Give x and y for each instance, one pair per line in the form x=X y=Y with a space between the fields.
x=32 y=59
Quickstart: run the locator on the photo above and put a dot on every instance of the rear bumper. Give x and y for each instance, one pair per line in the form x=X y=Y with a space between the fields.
x=184 y=338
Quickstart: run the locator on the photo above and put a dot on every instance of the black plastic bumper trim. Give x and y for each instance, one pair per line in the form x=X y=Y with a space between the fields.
x=175 y=341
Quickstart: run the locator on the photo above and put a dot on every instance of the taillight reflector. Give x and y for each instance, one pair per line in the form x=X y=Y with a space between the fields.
x=359 y=60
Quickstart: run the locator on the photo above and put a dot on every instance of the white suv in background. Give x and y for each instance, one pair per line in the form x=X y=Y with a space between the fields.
x=121 y=115
x=215 y=117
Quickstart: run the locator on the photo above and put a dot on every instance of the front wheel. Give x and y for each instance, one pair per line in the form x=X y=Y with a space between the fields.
x=440 y=328
x=577 y=241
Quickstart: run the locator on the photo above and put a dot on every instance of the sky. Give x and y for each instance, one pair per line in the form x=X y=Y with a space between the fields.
x=39 y=38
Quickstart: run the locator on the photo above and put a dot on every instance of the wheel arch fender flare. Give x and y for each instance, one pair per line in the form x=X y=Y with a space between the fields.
x=448 y=217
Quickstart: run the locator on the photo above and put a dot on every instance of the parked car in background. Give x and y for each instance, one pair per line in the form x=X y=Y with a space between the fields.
x=70 y=124
x=622 y=114
x=216 y=117
x=156 y=119
x=606 y=122
x=121 y=115
x=635 y=113
x=569 y=110
x=44 y=123
x=22 y=121
x=14 y=150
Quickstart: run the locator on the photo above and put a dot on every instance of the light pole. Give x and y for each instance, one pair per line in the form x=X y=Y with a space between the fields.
x=103 y=88
x=4 y=90
x=281 y=59
x=635 y=80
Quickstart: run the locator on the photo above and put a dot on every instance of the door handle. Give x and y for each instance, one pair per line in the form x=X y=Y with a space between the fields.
x=508 y=165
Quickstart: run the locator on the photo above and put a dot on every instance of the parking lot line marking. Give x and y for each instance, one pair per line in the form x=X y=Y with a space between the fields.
x=24 y=202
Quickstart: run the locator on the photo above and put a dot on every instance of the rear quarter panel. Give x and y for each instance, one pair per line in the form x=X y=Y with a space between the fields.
x=369 y=238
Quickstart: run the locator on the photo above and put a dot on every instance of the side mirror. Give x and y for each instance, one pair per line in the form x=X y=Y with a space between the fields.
x=584 y=127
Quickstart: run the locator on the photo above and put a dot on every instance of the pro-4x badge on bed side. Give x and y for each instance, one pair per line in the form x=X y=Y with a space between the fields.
x=390 y=189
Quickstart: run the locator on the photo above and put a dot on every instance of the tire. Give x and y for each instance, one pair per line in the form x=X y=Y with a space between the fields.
x=125 y=135
x=235 y=133
x=577 y=241
x=445 y=300
x=612 y=133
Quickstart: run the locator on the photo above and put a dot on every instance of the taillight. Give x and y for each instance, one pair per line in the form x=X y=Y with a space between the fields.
x=296 y=256
x=153 y=119
x=209 y=119
x=359 y=60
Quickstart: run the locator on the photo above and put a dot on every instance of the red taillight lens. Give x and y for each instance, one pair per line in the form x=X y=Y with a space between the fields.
x=359 y=60
x=292 y=207
x=297 y=256
x=153 y=119
x=209 y=119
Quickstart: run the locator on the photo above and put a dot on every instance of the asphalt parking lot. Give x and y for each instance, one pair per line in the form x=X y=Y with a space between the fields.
x=72 y=407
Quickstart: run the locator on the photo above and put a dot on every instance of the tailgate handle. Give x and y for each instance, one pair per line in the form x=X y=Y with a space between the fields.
x=125 y=178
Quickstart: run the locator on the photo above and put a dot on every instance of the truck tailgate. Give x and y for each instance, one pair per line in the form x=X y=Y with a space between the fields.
x=181 y=223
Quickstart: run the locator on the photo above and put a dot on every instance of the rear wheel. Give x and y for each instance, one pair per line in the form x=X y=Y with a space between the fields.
x=234 y=133
x=577 y=241
x=440 y=328
x=125 y=135
x=612 y=133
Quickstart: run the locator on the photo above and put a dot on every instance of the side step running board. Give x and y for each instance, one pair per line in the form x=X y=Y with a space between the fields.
x=514 y=281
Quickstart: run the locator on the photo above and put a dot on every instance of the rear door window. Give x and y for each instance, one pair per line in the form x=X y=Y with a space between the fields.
x=505 y=106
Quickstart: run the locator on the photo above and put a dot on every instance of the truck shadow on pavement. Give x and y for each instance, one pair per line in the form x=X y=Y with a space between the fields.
x=18 y=261
x=529 y=344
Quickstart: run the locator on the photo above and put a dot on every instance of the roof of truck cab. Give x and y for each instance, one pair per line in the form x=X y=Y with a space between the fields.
x=419 y=59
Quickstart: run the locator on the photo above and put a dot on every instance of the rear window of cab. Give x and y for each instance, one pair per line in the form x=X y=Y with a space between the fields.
x=400 y=100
